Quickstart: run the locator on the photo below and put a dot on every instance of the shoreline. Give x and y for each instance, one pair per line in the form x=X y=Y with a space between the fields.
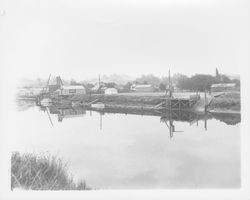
x=227 y=104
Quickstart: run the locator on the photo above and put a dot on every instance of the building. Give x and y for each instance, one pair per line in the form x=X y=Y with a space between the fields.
x=142 y=88
x=72 y=90
x=110 y=91
x=221 y=87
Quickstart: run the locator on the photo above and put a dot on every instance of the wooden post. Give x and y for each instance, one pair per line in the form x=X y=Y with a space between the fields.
x=169 y=84
x=197 y=120
x=205 y=124
x=205 y=96
x=100 y=121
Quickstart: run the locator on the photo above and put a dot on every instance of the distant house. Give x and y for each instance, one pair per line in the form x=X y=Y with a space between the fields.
x=223 y=87
x=72 y=90
x=142 y=88
x=110 y=91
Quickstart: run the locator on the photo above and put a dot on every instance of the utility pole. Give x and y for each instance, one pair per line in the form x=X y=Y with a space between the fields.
x=169 y=84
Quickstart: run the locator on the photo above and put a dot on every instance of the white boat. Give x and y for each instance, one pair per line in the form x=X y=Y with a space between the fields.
x=45 y=101
x=98 y=105
x=75 y=104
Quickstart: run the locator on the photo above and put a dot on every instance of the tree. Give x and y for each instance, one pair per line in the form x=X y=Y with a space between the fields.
x=225 y=79
x=201 y=82
x=149 y=79
x=127 y=86
x=183 y=83
x=88 y=87
x=198 y=82
x=162 y=86
x=110 y=84
x=237 y=82
x=73 y=82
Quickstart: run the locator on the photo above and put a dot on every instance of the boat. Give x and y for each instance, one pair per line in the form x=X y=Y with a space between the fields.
x=98 y=105
x=45 y=101
x=75 y=103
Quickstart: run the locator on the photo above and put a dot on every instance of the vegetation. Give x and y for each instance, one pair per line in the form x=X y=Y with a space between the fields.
x=138 y=100
x=148 y=79
x=198 y=82
x=33 y=172
x=228 y=101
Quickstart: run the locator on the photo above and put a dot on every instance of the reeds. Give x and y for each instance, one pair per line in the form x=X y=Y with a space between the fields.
x=32 y=172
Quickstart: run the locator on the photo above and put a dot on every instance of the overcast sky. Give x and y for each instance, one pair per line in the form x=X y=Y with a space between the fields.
x=81 y=39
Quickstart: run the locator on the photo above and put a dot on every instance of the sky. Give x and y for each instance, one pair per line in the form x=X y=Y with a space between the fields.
x=81 y=39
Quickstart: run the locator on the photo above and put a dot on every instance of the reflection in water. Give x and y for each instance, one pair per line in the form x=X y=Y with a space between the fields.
x=167 y=117
x=134 y=150
x=25 y=105
x=170 y=124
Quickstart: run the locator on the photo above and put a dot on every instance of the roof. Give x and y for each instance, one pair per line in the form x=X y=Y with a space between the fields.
x=224 y=85
x=73 y=87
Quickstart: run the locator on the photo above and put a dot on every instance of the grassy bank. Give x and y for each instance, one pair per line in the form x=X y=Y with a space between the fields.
x=33 y=172
x=121 y=99
x=230 y=101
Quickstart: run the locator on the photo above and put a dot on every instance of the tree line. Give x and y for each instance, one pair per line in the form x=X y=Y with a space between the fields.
x=197 y=82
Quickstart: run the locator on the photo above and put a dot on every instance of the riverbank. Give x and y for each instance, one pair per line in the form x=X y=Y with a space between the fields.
x=225 y=103
x=228 y=103
x=32 y=172
x=121 y=99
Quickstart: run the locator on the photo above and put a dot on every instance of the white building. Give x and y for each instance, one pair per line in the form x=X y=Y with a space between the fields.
x=111 y=91
x=72 y=90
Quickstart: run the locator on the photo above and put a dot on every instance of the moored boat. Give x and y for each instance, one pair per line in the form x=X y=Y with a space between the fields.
x=46 y=101
x=98 y=105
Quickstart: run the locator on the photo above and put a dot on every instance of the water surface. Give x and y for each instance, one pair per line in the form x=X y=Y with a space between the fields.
x=123 y=151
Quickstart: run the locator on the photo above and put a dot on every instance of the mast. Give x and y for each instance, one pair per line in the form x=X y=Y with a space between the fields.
x=169 y=84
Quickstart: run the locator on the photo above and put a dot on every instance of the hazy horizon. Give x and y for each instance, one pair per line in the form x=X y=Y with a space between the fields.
x=125 y=76
x=81 y=39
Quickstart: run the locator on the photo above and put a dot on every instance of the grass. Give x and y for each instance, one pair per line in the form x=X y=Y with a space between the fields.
x=121 y=99
x=32 y=172
x=228 y=101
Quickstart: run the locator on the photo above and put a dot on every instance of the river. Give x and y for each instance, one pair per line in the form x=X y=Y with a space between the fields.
x=128 y=151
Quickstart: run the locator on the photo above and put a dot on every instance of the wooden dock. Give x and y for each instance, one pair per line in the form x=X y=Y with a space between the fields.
x=180 y=103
